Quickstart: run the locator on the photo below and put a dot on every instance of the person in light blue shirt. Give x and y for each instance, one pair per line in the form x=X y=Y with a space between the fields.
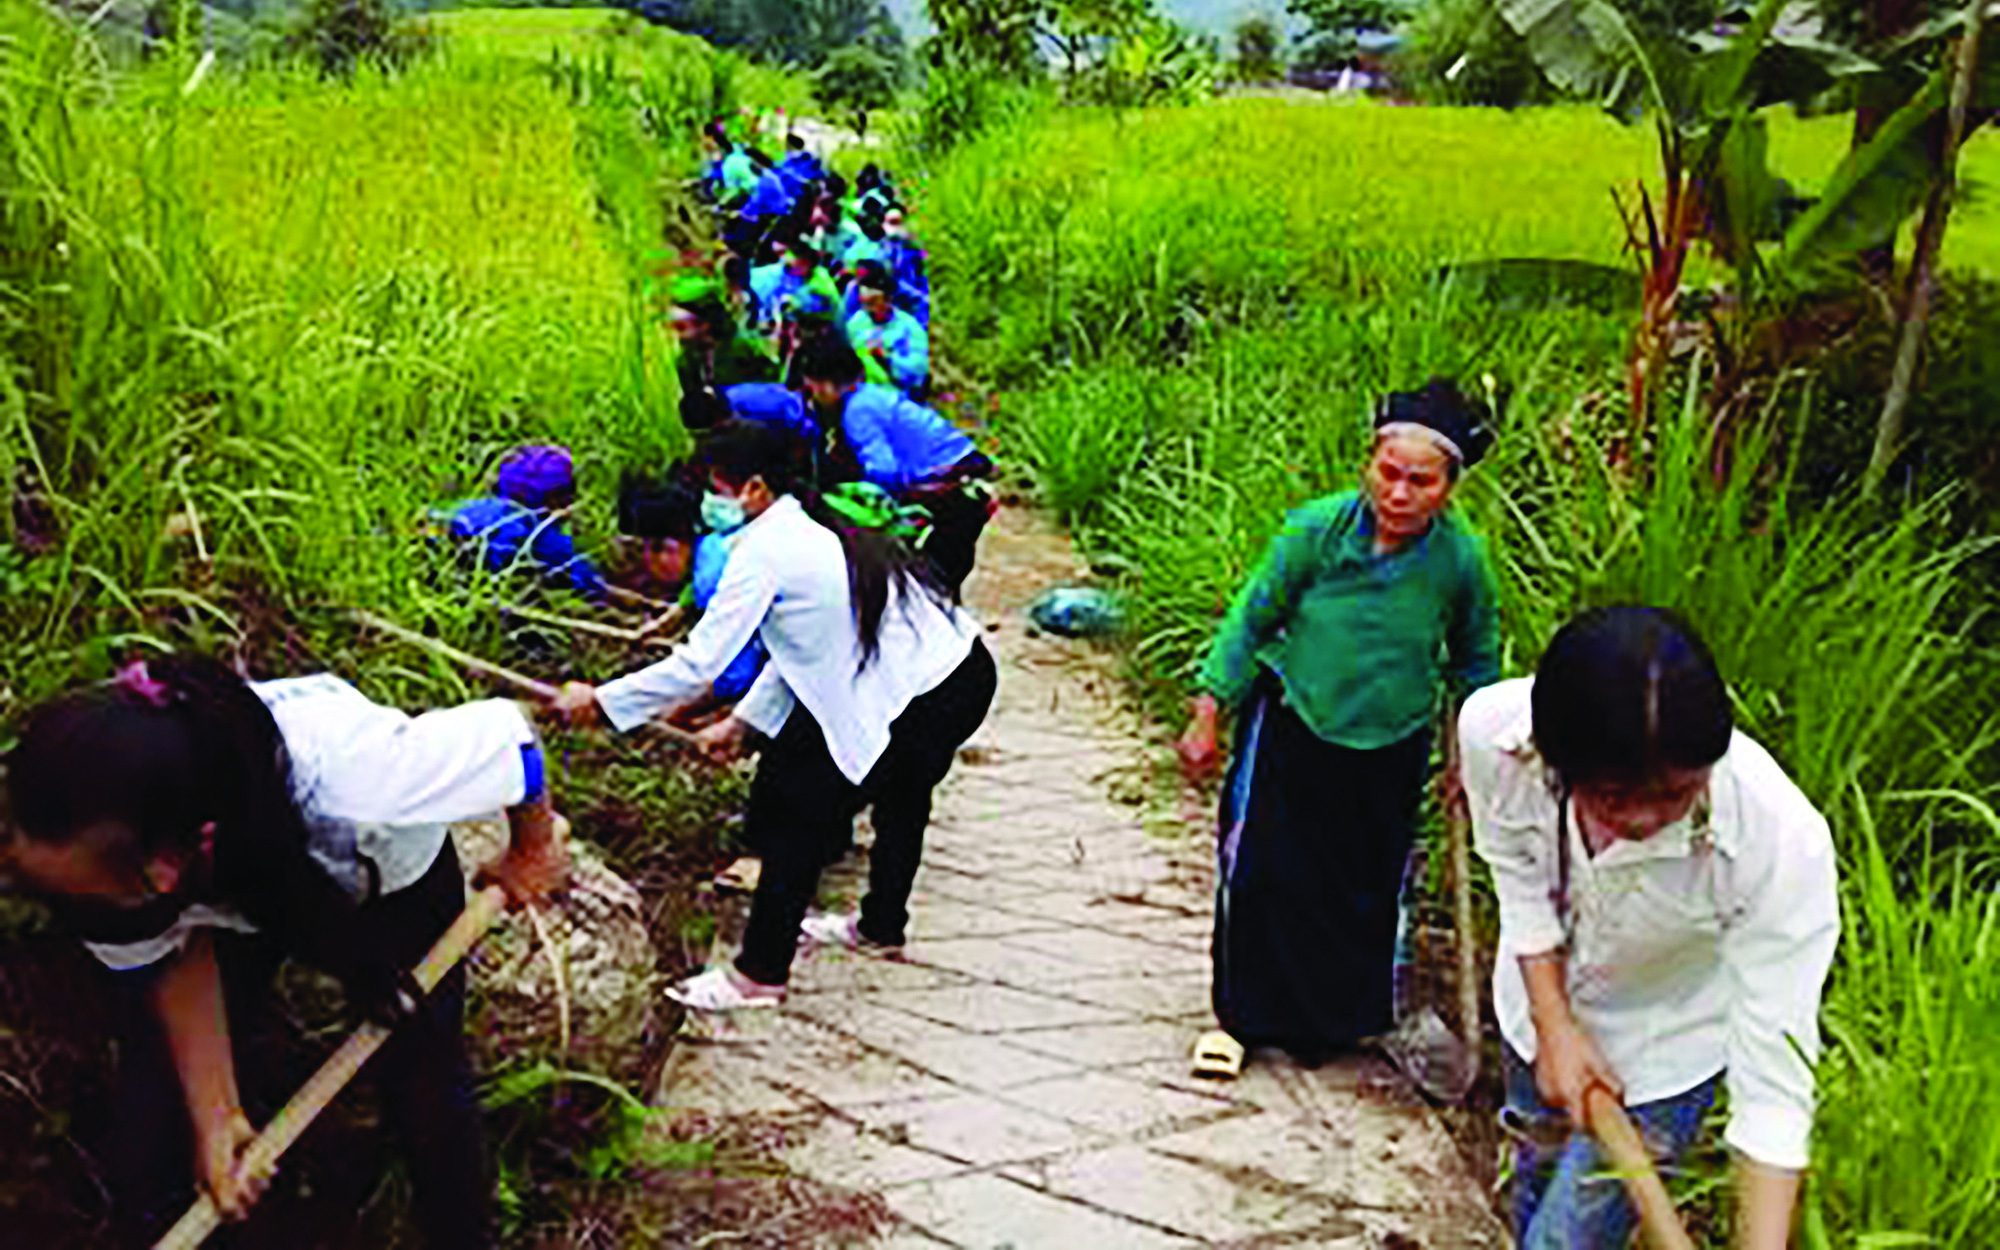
x=878 y=434
x=737 y=174
x=895 y=349
x=771 y=285
x=678 y=547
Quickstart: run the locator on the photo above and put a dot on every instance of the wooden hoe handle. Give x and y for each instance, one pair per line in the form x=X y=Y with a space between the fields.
x=1634 y=1165
x=527 y=685
x=324 y=1085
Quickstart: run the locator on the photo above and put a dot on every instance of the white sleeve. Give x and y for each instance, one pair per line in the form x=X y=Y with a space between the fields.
x=1518 y=854
x=1776 y=953
x=768 y=704
x=742 y=600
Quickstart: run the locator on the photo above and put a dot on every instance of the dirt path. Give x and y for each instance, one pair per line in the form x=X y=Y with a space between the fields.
x=1019 y=1078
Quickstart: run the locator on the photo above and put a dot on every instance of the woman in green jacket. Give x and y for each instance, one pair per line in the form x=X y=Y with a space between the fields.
x=1333 y=658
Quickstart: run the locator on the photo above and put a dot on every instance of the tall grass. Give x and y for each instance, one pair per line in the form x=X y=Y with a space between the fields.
x=1192 y=313
x=251 y=332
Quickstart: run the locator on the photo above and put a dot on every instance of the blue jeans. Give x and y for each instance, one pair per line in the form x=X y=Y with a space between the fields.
x=1564 y=1198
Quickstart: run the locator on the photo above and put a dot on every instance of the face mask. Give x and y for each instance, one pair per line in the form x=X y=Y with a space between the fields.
x=721 y=514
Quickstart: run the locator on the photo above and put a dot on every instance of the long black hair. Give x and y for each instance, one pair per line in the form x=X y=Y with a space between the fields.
x=144 y=763
x=877 y=563
x=1624 y=693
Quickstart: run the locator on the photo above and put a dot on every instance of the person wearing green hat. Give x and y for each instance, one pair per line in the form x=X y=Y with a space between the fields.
x=715 y=353
x=894 y=348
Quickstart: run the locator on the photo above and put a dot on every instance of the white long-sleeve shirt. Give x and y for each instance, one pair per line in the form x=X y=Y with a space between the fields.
x=1699 y=950
x=786 y=583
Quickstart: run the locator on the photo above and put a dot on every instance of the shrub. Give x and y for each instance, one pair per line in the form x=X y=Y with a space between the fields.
x=1257 y=61
x=854 y=81
x=1461 y=52
x=340 y=35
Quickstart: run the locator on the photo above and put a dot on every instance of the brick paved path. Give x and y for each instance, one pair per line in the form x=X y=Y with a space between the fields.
x=1020 y=1077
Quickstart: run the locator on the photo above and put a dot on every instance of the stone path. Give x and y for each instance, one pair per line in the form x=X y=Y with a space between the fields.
x=1019 y=1078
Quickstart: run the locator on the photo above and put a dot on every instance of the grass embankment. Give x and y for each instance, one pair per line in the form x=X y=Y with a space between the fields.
x=249 y=332
x=1191 y=313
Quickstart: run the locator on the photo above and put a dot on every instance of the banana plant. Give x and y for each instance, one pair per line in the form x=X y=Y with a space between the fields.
x=1703 y=92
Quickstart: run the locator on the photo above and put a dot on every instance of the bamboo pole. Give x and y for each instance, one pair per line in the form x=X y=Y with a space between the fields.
x=324 y=1085
x=1634 y=1165
x=530 y=686
x=464 y=659
x=666 y=620
x=1469 y=1028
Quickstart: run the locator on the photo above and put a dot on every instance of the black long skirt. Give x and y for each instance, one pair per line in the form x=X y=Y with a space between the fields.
x=1312 y=845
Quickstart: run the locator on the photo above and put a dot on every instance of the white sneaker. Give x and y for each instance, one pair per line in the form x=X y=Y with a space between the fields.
x=720 y=989
x=831 y=930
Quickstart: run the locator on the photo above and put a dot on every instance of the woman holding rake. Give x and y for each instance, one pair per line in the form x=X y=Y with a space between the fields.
x=874 y=680
x=1668 y=912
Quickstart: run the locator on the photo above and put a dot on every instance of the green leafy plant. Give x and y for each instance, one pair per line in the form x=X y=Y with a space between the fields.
x=550 y=1123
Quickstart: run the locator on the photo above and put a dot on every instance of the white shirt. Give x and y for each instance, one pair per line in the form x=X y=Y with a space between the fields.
x=1699 y=950
x=787 y=584
x=375 y=785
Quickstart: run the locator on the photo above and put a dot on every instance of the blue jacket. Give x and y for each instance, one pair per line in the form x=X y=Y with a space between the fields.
x=771 y=404
x=711 y=557
x=800 y=168
x=502 y=528
x=772 y=197
x=899 y=442
x=900 y=338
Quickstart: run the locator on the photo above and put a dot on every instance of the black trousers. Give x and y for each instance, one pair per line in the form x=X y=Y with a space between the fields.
x=957 y=517
x=423 y=1074
x=802 y=810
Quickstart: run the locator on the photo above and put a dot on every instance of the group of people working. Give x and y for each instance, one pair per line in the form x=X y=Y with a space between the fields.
x=1667 y=895
x=805 y=258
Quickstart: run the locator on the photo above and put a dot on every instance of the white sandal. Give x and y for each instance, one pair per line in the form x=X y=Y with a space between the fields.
x=723 y=989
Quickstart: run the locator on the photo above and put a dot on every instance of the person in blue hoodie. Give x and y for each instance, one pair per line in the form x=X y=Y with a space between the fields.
x=907 y=261
x=895 y=349
x=520 y=523
x=771 y=198
x=877 y=434
x=800 y=168
x=771 y=285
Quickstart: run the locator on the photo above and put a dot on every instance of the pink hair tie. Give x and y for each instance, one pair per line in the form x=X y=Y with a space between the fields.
x=135 y=678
